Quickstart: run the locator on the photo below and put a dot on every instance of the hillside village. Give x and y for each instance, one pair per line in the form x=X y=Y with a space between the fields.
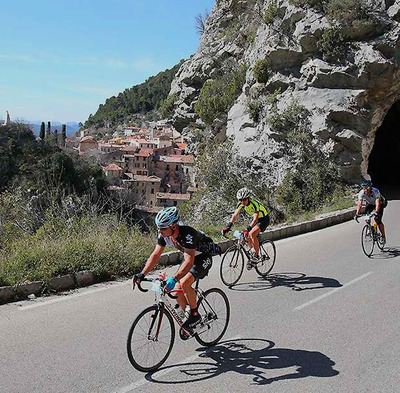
x=150 y=163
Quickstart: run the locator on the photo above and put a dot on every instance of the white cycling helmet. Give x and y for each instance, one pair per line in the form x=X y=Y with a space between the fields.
x=243 y=193
x=167 y=216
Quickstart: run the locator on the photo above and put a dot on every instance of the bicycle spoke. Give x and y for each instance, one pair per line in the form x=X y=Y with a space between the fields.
x=232 y=265
x=147 y=348
x=215 y=305
x=367 y=240
x=268 y=257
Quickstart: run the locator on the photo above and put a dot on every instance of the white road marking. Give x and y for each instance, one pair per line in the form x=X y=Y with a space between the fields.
x=332 y=292
x=141 y=382
x=39 y=302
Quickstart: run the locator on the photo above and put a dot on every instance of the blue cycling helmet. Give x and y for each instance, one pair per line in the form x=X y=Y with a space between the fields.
x=366 y=183
x=166 y=217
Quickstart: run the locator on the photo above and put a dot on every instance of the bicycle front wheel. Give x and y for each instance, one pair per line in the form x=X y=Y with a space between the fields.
x=232 y=266
x=378 y=240
x=150 y=339
x=215 y=312
x=267 y=256
x=367 y=240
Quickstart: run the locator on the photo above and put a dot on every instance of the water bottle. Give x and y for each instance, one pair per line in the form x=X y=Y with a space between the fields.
x=375 y=225
x=237 y=234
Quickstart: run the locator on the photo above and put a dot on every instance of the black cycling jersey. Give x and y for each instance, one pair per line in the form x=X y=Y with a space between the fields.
x=188 y=238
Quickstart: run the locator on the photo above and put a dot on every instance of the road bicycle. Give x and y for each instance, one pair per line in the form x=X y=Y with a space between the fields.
x=232 y=264
x=370 y=235
x=152 y=334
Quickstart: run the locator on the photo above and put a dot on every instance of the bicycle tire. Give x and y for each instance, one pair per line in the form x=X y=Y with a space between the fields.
x=232 y=266
x=214 y=309
x=367 y=240
x=139 y=344
x=268 y=258
x=378 y=237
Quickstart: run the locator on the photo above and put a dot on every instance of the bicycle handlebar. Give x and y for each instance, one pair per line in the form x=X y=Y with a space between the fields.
x=151 y=280
x=139 y=284
x=366 y=215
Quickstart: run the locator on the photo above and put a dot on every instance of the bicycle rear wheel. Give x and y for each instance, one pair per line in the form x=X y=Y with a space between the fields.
x=150 y=339
x=232 y=266
x=367 y=240
x=215 y=312
x=268 y=257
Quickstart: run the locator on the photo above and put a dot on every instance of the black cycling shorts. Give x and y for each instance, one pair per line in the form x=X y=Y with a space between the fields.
x=263 y=223
x=378 y=219
x=202 y=264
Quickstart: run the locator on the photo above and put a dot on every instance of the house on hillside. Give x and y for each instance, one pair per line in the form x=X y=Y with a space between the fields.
x=144 y=188
x=87 y=143
x=113 y=173
x=177 y=171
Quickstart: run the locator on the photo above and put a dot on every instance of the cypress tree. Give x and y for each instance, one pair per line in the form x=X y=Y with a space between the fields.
x=48 y=129
x=63 y=134
x=42 y=131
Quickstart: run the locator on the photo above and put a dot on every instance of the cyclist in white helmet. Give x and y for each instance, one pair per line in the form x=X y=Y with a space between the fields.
x=259 y=222
x=370 y=198
x=196 y=263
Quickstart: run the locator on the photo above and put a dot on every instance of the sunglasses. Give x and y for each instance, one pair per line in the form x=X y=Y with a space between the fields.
x=163 y=229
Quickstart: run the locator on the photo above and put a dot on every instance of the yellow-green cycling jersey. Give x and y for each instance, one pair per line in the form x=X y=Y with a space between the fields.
x=254 y=206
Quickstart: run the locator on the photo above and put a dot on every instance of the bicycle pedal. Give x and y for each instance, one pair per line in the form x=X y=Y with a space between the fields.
x=184 y=336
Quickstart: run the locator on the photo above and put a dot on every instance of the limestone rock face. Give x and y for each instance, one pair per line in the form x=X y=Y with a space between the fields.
x=347 y=99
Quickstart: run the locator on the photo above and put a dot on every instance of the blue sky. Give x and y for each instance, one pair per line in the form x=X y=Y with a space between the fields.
x=60 y=59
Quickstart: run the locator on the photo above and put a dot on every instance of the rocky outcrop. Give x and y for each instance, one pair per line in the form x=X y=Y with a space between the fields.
x=347 y=99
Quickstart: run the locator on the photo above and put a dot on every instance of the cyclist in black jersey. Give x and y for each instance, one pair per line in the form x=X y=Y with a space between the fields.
x=195 y=265
x=259 y=223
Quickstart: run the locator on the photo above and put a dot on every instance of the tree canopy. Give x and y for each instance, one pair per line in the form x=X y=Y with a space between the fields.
x=141 y=98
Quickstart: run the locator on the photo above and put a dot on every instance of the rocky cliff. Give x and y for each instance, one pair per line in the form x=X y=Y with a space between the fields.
x=341 y=66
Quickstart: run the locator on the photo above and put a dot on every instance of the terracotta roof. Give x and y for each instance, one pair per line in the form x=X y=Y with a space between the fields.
x=146 y=141
x=171 y=196
x=143 y=178
x=88 y=139
x=181 y=146
x=143 y=154
x=112 y=167
x=184 y=159
x=131 y=148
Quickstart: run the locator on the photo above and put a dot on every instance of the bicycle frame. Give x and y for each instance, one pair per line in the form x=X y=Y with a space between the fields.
x=162 y=302
x=372 y=227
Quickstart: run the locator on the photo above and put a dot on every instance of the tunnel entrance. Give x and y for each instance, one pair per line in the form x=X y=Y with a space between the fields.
x=384 y=160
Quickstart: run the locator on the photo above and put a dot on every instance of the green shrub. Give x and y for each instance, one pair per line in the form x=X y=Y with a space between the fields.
x=261 y=71
x=100 y=244
x=254 y=108
x=345 y=12
x=294 y=120
x=216 y=200
x=270 y=13
x=217 y=97
x=332 y=45
x=168 y=105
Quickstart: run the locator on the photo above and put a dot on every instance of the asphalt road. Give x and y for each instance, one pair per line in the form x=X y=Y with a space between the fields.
x=326 y=320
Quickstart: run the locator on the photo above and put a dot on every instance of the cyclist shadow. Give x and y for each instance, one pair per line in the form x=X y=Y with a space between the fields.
x=256 y=358
x=387 y=253
x=295 y=281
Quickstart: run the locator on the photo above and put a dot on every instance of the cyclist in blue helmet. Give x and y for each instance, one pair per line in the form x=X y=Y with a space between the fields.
x=197 y=259
x=370 y=198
